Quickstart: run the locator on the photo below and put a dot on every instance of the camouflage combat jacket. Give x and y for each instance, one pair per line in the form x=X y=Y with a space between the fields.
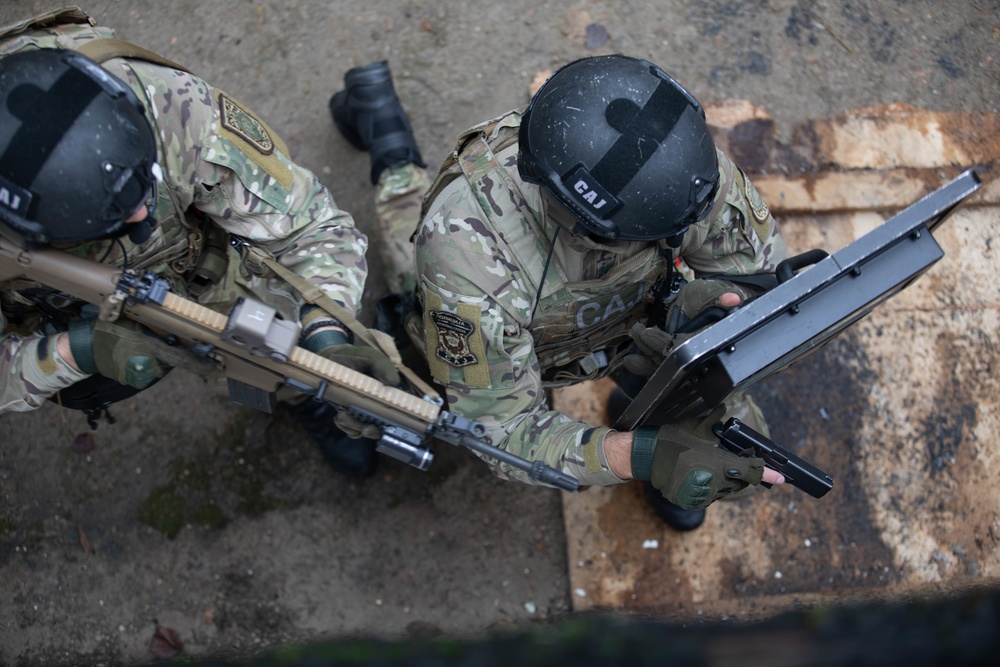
x=227 y=181
x=500 y=328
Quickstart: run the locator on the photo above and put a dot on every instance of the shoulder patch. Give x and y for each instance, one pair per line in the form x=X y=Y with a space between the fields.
x=757 y=203
x=243 y=124
x=455 y=341
x=254 y=145
x=453 y=338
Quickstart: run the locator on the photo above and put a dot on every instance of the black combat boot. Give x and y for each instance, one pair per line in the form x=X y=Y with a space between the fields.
x=675 y=516
x=371 y=117
x=355 y=458
x=390 y=317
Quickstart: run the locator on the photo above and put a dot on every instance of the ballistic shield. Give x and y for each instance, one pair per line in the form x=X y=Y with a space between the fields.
x=805 y=310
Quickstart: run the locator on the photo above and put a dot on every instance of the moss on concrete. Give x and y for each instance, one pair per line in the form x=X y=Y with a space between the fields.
x=164 y=510
x=227 y=478
x=210 y=515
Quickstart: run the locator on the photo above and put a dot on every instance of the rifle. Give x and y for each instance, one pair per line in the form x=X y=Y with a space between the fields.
x=257 y=352
x=801 y=313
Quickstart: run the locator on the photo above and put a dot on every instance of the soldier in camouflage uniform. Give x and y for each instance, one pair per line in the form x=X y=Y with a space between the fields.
x=522 y=284
x=220 y=183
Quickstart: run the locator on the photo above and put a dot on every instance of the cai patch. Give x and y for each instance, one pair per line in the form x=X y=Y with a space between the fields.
x=239 y=121
x=453 y=338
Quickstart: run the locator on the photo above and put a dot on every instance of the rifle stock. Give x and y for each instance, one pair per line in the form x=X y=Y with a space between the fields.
x=257 y=354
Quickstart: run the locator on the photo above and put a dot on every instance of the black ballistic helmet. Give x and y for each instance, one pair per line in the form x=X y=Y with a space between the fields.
x=622 y=146
x=77 y=155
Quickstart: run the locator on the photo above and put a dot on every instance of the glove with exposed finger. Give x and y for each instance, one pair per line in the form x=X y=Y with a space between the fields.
x=128 y=352
x=334 y=345
x=654 y=343
x=685 y=463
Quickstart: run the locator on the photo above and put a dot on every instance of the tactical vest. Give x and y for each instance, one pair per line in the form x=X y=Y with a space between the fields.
x=580 y=328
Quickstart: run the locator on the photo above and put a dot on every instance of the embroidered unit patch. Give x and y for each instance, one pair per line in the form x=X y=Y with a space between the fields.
x=239 y=121
x=757 y=203
x=453 y=338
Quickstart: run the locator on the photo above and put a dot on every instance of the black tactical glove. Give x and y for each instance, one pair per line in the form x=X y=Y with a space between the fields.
x=335 y=346
x=655 y=343
x=684 y=462
x=128 y=352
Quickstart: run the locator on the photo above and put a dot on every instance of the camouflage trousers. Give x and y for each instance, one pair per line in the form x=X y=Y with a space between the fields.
x=743 y=407
x=398 y=196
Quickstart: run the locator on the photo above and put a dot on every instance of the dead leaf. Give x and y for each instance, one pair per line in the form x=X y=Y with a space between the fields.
x=84 y=542
x=166 y=642
x=84 y=443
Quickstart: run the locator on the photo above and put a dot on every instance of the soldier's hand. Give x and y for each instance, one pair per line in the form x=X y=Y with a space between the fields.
x=654 y=343
x=365 y=360
x=333 y=344
x=688 y=467
x=699 y=295
x=128 y=352
x=356 y=428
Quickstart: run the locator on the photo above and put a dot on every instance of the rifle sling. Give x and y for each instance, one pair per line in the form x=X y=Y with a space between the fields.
x=376 y=339
x=104 y=49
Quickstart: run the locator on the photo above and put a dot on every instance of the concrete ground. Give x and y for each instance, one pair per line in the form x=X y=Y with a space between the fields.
x=901 y=409
x=195 y=519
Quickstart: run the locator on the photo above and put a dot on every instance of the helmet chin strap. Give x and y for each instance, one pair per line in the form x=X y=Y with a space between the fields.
x=674 y=240
x=139 y=232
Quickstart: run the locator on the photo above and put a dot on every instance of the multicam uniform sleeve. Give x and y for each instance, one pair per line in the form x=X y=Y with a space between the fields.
x=30 y=370
x=740 y=236
x=226 y=162
x=476 y=303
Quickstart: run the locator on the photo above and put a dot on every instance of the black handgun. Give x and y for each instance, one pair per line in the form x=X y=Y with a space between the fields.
x=742 y=440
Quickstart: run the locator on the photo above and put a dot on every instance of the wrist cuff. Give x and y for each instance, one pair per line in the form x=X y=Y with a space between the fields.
x=81 y=345
x=324 y=339
x=643 y=445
